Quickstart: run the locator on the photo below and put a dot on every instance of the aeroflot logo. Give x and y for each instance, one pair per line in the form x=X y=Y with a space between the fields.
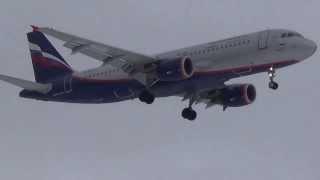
x=35 y=47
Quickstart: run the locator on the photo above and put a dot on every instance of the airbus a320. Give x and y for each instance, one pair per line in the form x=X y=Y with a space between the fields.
x=198 y=74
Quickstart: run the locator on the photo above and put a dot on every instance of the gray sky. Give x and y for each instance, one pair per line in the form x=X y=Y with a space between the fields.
x=275 y=138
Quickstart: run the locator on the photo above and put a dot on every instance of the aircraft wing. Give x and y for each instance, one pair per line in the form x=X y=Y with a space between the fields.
x=130 y=62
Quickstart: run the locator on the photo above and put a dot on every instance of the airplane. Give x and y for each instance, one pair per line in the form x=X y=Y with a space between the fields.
x=198 y=73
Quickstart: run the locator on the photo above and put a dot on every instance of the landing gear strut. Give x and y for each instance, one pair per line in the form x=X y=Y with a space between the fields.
x=146 y=97
x=188 y=113
x=272 y=84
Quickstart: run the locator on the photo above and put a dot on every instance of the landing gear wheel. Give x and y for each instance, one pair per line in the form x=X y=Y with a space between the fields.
x=146 y=97
x=273 y=85
x=189 y=113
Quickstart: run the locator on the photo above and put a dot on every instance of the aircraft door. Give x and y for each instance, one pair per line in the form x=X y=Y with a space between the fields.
x=263 y=40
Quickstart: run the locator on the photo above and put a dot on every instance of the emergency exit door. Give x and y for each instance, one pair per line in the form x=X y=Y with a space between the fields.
x=263 y=40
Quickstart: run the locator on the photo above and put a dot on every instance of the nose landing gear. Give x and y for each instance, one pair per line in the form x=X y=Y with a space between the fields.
x=272 y=84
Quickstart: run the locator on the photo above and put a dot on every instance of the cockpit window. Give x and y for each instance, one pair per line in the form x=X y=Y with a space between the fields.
x=290 y=34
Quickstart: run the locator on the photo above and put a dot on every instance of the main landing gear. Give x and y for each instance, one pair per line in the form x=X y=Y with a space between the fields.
x=272 y=84
x=188 y=113
x=146 y=97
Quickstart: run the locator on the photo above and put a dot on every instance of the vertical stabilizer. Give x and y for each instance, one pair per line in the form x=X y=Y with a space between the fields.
x=47 y=63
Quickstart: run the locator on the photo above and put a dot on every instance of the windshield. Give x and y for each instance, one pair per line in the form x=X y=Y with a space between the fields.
x=290 y=34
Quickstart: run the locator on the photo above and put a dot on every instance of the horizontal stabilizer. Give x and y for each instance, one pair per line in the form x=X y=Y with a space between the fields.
x=27 y=85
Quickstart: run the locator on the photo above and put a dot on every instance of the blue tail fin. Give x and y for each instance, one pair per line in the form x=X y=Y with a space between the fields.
x=48 y=64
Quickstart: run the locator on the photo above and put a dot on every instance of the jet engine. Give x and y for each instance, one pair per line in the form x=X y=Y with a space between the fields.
x=239 y=95
x=175 y=70
x=233 y=96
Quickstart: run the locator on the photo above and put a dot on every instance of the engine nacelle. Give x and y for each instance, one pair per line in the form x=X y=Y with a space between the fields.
x=239 y=95
x=175 y=70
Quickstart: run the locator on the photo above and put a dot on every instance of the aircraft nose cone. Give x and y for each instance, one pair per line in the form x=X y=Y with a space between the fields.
x=306 y=48
x=309 y=47
x=313 y=46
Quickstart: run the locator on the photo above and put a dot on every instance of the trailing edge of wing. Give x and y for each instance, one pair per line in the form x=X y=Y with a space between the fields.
x=28 y=85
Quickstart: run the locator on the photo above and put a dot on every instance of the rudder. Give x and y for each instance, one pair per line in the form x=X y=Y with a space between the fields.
x=47 y=62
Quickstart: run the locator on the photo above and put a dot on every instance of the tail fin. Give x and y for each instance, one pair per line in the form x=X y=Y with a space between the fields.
x=47 y=62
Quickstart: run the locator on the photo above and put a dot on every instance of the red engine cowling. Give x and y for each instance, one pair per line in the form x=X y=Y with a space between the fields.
x=239 y=95
x=175 y=70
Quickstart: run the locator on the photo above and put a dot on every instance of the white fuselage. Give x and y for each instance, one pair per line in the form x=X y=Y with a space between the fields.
x=265 y=47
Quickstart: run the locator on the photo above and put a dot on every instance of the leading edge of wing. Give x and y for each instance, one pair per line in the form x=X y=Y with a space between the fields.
x=80 y=44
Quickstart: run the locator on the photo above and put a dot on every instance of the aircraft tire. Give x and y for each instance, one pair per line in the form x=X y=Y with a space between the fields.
x=146 y=97
x=273 y=85
x=189 y=114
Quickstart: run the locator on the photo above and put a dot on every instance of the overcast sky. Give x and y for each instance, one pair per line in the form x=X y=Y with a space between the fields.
x=275 y=138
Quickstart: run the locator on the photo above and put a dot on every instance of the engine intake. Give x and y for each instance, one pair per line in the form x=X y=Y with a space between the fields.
x=175 y=70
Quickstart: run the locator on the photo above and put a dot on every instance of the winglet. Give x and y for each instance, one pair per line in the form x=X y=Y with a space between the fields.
x=35 y=28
